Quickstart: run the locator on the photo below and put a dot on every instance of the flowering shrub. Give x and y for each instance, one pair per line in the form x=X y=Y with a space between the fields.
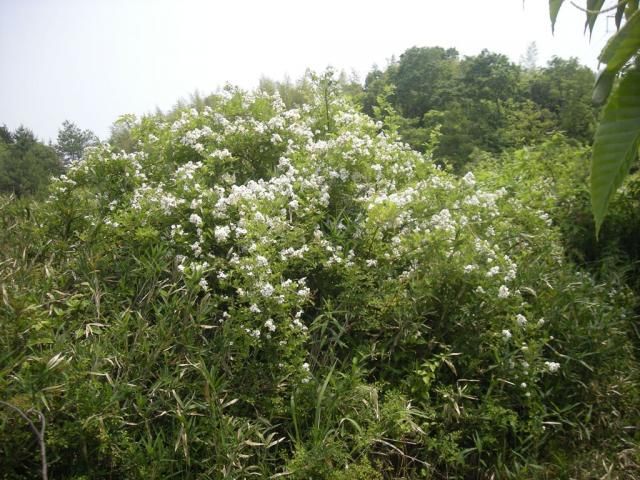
x=257 y=291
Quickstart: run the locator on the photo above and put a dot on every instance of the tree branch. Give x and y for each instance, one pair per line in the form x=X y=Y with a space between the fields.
x=38 y=433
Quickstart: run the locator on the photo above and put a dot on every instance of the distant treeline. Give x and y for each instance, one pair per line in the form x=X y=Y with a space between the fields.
x=482 y=102
x=27 y=164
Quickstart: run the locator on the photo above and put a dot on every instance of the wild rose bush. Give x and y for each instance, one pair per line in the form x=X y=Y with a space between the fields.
x=258 y=291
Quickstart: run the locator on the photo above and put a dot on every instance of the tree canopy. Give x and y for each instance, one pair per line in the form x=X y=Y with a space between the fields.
x=26 y=165
x=72 y=141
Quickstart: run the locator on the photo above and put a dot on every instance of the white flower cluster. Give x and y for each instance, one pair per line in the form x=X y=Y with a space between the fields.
x=256 y=194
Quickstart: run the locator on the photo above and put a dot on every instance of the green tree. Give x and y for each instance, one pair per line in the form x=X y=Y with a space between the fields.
x=375 y=84
x=121 y=138
x=26 y=165
x=489 y=85
x=484 y=95
x=482 y=102
x=72 y=141
x=5 y=134
x=424 y=78
x=563 y=88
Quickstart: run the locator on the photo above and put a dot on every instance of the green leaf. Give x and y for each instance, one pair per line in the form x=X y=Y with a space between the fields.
x=594 y=7
x=602 y=88
x=623 y=45
x=616 y=143
x=554 y=8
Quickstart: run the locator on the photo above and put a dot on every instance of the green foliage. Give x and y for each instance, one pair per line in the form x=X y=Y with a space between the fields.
x=261 y=291
x=623 y=45
x=618 y=133
x=554 y=176
x=563 y=88
x=423 y=78
x=616 y=144
x=292 y=94
x=554 y=8
x=26 y=165
x=483 y=102
x=72 y=141
x=121 y=138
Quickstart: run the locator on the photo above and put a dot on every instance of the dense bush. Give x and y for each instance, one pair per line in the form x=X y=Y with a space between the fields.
x=256 y=291
x=554 y=176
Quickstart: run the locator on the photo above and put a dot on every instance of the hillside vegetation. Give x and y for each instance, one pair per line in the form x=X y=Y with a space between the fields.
x=260 y=287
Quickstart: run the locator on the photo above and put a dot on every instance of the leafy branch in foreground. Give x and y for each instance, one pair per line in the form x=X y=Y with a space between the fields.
x=618 y=134
x=616 y=143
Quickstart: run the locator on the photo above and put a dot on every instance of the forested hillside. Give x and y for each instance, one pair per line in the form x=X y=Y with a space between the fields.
x=323 y=279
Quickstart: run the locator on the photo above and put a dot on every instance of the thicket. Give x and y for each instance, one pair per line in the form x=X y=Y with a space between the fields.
x=252 y=290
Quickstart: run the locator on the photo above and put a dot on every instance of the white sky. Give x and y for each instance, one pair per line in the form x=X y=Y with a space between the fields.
x=90 y=61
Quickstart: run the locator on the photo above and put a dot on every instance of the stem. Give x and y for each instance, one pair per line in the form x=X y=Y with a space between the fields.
x=38 y=433
x=598 y=12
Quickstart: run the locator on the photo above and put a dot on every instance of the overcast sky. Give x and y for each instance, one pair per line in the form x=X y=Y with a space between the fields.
x=90 y=61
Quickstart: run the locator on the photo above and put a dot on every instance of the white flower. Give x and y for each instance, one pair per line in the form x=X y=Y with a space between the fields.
x=266 y=290
x=506 y=334
x=254 y=308
x=493 y=271
x=521 y=319
x=203 y=284
x=254 y=333
x=552 y=366
x=444 y=221
x=297 y=323
x=469 y=179
x=195 y=219
x=503 y=291
x=510 y=275
x=304 y=292
x=275 y=138
x=372 y=262
x=221 y=233
x=221 y=154
x=269 y=325
x=469 y=268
